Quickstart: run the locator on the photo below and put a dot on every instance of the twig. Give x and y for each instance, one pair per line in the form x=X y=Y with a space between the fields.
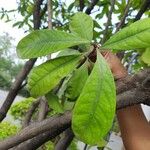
x=108 y=23
x=30 y=113
x=36 y=14
x=81 y=4
x=122 y=22
x=90 y=8
x=65 y=141
x=43 y=109
x=49 y=8
x=85 y=147
x=43 y=11
x=145 y=6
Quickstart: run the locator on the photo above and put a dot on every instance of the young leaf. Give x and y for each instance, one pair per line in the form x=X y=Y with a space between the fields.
x=76 y=83
x=146 y=56
x=46 y=76
x=53 y=102
x=95 y=108
x=82 y=25
x=43 y=42
x=135 y=36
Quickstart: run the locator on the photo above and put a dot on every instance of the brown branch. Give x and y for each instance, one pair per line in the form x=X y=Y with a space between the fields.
x=49 y=8
x=43 y=109
x=55 y=124
x=38 y=141
x=16 y=86
x=131 y=82
x=133 y=97
x=81 y=4
x=30 y=113
x=90 y=8
x=108 y=23
x=145 y=6
x=65 y=141
x=122 y=22
x=36 y=14
x=43 y=11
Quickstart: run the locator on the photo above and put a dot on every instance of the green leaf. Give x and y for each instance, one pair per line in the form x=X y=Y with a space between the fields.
x=46 y=76
x=146 y=56
x=43 y=42
x=76 y=83
x=68 y=52
x=82 y=25
x=135 y=36
x=95 y=108
x=54 y=103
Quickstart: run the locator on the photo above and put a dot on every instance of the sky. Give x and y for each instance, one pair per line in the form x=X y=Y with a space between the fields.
x=7 y=27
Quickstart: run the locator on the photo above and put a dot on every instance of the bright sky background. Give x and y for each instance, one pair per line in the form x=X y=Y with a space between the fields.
x=7 y=27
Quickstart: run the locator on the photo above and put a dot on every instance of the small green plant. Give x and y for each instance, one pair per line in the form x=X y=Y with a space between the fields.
x=7 y=129
x=87 y=82
x=19 y=109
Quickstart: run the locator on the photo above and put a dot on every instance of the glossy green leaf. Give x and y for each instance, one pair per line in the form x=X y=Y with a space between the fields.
x=82 y=25
x=76 y=83
x=95 y=108
x=43 y=42
x=135 y=36
x=54 y=103
x=46 y=76
x=146 y=56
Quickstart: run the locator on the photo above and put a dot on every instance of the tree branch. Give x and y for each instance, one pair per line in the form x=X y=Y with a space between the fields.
x=122 y=22
x=49 y=8
x=145 y=6
x=131 y=82
x=81 y=3
x=90 y=8
x=43 y=109
x=65 y=141
x=140 y=94
x=55 y=124
x=30 y=113
x=108 y=23
x=15 y=87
